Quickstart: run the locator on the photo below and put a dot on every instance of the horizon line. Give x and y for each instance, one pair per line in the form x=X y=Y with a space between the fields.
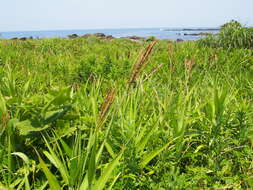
x=116 y=28
x=162 y=27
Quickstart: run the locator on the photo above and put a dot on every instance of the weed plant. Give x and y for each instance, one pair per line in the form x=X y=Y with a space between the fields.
x=96 y=114
x=231 y=35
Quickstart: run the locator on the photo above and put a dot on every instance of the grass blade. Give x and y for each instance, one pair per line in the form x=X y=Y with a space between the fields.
x=100 y=184
x=148 y=157
x=53 y=183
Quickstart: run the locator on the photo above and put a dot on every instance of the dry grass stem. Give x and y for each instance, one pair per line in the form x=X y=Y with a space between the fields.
x=140 y=64
x=170 y=49
x=109 y=99
x=189 y=64
x=153 y=72
x=171 y=54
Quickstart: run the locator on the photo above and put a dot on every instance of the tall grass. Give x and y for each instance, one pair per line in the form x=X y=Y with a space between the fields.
x=177 y=118
x=231 y=35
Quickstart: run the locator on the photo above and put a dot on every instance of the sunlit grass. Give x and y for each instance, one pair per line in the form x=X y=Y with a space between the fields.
x=98 y=114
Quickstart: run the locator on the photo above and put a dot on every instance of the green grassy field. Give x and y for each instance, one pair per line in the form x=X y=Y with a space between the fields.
x=96 y=114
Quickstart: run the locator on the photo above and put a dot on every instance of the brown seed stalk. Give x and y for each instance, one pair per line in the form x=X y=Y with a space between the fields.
x=141 y=63
x=154 y=70
x=189 y=64
x=109 y=99
x=171 y=54
x=170 y=49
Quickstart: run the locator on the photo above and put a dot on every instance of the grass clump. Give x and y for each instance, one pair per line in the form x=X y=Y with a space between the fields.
x=231 y=35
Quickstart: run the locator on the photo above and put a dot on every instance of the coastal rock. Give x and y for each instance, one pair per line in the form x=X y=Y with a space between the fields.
x=180 y=40
x=100 y=35
x=196 y=34
x=201 y=29
x=14 y=38
x=135 y=37
x=109 y=37
x=23 y=38
x=86 y=35
x=72 y=36
x=151 y=39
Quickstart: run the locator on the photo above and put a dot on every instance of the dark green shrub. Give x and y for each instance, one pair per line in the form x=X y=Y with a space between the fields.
x=232 y=35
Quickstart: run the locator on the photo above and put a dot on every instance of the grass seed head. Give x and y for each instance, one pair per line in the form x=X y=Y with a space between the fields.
x=141 y=63
x=109 y=99
x=189 y=63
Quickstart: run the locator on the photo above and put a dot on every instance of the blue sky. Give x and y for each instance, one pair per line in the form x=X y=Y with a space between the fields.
x=22 y=15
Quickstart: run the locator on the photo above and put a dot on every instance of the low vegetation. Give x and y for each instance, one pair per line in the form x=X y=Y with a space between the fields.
x=232 y=35
x=90 y=113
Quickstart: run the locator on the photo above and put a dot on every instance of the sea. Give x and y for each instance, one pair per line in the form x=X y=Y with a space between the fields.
x=160 y=33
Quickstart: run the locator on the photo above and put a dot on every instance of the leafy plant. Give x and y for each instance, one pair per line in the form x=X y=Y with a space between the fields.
x=231 y=35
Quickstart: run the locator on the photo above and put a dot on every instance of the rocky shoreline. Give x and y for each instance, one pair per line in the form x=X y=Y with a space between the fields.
x=197 y=34
x=98 y=35
x=110 y=37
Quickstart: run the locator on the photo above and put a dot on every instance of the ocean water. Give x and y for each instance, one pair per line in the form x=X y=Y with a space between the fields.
x=160 y=33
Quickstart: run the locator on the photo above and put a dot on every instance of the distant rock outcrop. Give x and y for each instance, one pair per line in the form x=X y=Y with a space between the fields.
x=109 y=37
x=150 y=39
x=197 y=34
x=72 y=36
x=23 y=38
x=180 y=40
x=99 y=35
x=135 y=37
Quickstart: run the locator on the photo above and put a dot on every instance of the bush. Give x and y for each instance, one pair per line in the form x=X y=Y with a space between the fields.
x=232 y=35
